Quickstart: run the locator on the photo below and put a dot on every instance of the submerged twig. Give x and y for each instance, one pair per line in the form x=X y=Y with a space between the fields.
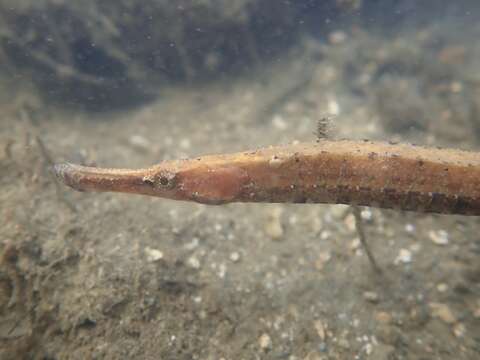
x=48 y=158
x=363 y=239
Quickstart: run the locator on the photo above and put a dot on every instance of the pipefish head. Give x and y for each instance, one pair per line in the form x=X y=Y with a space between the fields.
x=188 y=180
x=155 y=182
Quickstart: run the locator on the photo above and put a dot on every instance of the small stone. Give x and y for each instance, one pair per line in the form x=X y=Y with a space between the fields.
x=367 y=214
x=456 y=87
x=442 y=287
x=476 y=313
x=333 y=107
x=192 y=244
x=316 y=224
x=325 y=235
x=222 y=271
x=344 y=344
x=355 y=244
x=338 y=211
x=459 y=330
x=404 y=257
x=410 y=228
x=350 y=222
x=371 y=296
x=153 y=254
x=322 y=260
x=320 y=328
x=139 y=142
x=273 y=227
x=235 y=256
x=382 y=352
x=279 y=122
x=368 y=348
x=313 y=355
x=337 y=37
x=439 y=237
x=415 y=248
x=193 y=262
x=265 y=342
x=185 y=144
x=443 y=312
x=383 y=317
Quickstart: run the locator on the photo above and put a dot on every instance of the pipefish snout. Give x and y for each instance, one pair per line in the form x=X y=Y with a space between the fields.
x=384 y=175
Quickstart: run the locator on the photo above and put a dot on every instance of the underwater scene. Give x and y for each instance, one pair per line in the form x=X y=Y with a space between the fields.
x=240 y=179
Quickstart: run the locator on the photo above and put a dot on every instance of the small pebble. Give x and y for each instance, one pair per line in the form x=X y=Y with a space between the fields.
x=313 y=355
x=476 y=313
x=456 y=87
x=185 y=144
x=410 y=228
x=193 y=262
x=274 y=229
x=439 y=237
x=192 y=244
x=337 y=37
x=371 y=296
x=368 y=349
x=350 y=222
x=316 y=224
x=320 y=328
x=404 y=257
x=415 y=247
x=235 y=256
x=459 y=330
x=333 y=106
x=325 y=234
x=222 y=271
x=383 y=317
x=273 y=226
x=139 y=142
x=367 y=215
x=279 y=122
x=153 y=254
x=265 y=342
x=443 y=312
x=338 y=211
x=355 y=244
x=293 y=220
x=322 y=260
x=442 y=287
x=344 y=344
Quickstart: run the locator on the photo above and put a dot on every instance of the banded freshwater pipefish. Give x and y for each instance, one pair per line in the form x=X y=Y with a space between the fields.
x=384 y=175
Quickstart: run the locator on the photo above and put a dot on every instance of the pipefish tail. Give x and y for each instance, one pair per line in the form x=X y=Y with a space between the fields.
x=384 y=175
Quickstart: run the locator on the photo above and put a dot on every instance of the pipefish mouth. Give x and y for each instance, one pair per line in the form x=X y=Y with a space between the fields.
x=367 y=173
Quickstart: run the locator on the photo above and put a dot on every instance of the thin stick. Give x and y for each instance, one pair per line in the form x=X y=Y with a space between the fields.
x=48 y=158
x=363 y=239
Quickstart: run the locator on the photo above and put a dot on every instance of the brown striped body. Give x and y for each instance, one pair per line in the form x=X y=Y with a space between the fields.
x=398 y=176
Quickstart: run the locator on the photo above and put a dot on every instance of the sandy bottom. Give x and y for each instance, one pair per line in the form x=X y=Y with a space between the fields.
x=118 y=277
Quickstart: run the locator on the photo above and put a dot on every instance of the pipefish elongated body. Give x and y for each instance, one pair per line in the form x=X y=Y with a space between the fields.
x=384 y=175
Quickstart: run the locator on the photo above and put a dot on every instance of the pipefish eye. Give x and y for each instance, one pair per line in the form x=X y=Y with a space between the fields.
x=166 y=180
x=163 y=181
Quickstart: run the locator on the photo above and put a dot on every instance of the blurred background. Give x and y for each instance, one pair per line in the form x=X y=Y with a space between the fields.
x=128 y=83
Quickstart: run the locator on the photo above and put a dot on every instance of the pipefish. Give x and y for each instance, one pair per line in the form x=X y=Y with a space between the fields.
x=366 y=173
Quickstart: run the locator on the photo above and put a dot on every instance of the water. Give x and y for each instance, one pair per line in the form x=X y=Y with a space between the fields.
x=128 y=84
